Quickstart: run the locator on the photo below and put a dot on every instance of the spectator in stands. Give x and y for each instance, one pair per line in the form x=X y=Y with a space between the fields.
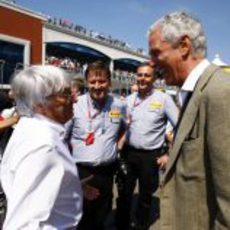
x=77 y=87
x=123 y=95
x=38 y=175
x=65 y=63
x=96 y=35
x=134 y=87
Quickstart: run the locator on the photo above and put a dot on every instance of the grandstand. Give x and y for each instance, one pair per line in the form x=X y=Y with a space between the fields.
x=35 y=38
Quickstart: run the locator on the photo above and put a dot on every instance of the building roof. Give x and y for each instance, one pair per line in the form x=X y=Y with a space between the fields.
x=13 y=6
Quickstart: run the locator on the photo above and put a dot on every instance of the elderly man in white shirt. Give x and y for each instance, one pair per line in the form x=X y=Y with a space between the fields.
x=38 y=175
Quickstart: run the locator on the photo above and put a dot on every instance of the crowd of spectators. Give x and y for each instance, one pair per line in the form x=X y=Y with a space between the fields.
x=66 y=63
x=93 y=34
x=108 y=39
x=76 y=67
x=123 y=75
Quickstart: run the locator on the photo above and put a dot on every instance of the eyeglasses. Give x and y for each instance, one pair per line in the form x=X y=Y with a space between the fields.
x=65 y=94
x=144 y=75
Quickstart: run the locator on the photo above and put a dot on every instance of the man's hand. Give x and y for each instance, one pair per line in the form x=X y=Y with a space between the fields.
x=7 y=122
x=89 y=192
x=162 y=161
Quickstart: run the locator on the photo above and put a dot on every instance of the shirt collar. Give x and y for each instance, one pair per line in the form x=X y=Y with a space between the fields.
x=193 y=77
x=59 y=128
x=95 y=105
x=146 y=95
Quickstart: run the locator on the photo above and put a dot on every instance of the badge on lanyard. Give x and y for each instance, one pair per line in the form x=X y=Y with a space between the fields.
x=89 y=140
x=115 y=115
x=90 y=136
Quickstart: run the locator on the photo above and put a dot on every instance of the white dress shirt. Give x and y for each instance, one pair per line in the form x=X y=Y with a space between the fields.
x=191 y=80
x=39 y=178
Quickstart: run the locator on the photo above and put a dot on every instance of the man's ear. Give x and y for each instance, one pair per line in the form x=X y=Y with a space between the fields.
x=185 y=46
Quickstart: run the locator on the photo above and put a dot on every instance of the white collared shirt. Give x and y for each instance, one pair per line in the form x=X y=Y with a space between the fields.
x=39 y=178
x=191 y=80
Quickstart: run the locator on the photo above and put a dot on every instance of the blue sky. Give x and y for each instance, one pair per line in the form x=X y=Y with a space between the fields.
x=129 y=20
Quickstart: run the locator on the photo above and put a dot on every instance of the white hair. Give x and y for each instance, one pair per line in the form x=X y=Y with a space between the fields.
x=33 y=85
x=175 y=25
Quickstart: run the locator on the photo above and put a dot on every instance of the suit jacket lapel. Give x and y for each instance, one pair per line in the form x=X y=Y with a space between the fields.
x=189 y=116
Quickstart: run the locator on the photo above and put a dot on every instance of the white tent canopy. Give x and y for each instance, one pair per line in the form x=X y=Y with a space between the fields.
x=217 y=61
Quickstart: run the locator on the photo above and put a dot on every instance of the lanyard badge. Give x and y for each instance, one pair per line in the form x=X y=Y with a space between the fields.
x=90 y=137
x=89 y=140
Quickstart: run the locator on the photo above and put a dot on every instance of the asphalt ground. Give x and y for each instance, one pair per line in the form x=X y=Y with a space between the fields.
x=110 y=225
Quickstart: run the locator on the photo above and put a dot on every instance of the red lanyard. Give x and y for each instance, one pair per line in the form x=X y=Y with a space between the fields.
x=89 y=112
x=136 y=103
x=93 y=117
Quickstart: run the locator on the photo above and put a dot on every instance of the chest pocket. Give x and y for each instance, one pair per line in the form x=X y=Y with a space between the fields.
x=115 y=116
x=192 y=150
x=155 y=106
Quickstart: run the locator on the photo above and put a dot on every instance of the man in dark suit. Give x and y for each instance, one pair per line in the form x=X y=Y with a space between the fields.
x=196 y=184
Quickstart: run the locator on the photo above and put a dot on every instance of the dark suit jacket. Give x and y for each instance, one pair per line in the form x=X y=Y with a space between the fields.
x=196 y=186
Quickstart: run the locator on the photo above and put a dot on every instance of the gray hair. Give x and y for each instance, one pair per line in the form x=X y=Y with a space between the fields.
x=175 y=25
x=35 y=84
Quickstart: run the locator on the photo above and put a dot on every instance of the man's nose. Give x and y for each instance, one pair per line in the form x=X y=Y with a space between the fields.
x=141 y=77
x=97 y=85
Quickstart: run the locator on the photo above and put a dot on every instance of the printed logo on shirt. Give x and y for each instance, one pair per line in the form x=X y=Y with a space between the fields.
x=155 y=106
x=115 y=115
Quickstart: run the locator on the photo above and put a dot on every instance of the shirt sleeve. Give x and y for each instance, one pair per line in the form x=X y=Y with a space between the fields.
x=124 y=114
x=36 y=184
x=129 y=104
x=69 y=128
x=171 y=110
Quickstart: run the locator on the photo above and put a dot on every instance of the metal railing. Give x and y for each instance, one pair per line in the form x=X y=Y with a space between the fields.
x=2 y=64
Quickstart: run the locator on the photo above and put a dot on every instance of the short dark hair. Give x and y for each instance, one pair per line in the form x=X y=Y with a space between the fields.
x=79 y=84
x=144 y=64
x=98 y=66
